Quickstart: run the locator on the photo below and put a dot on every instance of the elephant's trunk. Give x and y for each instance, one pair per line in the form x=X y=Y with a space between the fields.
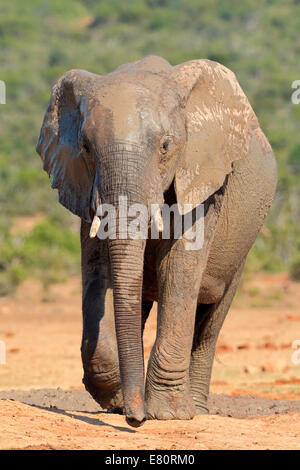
x=127 y=258
x=121 y=176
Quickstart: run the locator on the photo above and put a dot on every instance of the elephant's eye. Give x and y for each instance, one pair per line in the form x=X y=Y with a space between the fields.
x=165 y=145
x=85 y=146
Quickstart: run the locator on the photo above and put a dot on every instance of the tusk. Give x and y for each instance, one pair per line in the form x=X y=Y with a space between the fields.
x=158 y=221
x=95 y=226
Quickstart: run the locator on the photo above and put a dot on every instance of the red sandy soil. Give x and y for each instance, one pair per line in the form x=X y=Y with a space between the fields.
x=42 y=333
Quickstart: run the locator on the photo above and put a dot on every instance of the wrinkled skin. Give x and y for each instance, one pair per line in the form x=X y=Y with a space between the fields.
x=155 y=134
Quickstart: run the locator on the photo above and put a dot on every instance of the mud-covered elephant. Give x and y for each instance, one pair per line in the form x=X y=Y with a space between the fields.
x=157 y=133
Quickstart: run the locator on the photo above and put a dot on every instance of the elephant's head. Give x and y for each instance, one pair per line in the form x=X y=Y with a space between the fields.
x=132 y=133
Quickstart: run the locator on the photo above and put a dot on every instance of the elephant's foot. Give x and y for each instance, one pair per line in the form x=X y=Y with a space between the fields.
x=109 y=396
x=201 y=410
x=200 y=396
x=169 y=404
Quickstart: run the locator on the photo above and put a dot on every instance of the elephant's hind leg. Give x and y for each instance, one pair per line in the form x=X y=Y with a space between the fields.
x=99 y=354
x=209 y=320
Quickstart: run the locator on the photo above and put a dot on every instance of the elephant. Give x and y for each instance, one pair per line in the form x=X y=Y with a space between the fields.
x=157 y=134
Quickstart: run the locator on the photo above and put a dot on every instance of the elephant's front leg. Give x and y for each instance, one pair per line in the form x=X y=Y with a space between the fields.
x=99 y=346
x=167 y=386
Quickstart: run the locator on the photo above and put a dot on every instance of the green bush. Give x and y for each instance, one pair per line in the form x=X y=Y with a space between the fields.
x=294 y=158
x=50 y=252
x=41 y=39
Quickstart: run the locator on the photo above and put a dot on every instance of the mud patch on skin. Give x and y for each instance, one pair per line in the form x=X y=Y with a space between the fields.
x=239 y=406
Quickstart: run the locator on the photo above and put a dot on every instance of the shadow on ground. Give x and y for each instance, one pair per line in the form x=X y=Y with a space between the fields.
x=66 y=401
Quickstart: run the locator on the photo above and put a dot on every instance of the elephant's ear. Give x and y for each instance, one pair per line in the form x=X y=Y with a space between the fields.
x=219 y=123
x=61 y=145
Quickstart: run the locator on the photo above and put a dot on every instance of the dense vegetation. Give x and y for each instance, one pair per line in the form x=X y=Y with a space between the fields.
x=41 y=39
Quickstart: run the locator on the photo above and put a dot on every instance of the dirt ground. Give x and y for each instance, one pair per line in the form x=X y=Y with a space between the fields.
x=255 y=389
